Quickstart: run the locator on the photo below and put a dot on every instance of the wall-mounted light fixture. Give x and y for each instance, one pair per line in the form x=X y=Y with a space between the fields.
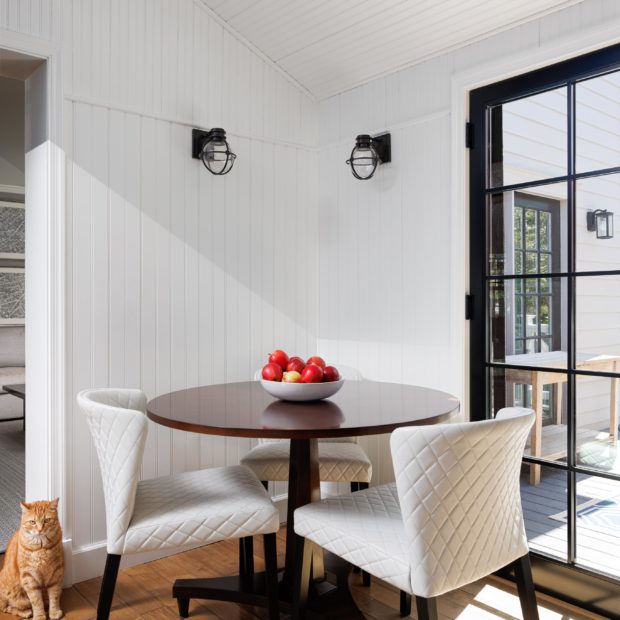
x=212 y=148
x=601 y=221
x=368 y=153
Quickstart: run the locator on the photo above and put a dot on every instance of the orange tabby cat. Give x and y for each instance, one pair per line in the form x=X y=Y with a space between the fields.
x=34 y=564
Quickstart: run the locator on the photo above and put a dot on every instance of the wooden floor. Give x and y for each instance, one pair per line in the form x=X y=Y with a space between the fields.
x=145 y=592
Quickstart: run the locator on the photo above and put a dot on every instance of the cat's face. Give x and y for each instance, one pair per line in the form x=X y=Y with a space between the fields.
x=40 y=521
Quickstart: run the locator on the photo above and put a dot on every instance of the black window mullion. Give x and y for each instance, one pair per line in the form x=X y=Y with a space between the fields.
x=571 y=435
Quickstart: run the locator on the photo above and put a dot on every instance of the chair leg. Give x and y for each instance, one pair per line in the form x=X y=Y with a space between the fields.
x=525 y=585
x=106 y=594
x=246 y=556
x=265 y=484
x=304 y=553
x=271 y=575
x=361 y=486
x=405 y=603
x=354 y=487
x=426 y=608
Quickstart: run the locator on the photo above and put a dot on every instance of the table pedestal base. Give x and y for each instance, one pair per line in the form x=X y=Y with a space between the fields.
x=327 y=599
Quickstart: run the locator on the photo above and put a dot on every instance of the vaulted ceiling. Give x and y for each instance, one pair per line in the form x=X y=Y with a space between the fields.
x=329 y=46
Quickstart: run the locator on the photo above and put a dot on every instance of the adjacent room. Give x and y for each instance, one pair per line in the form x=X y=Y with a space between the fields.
x=315 y=307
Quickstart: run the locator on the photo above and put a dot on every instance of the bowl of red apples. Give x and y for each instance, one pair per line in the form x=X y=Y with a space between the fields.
x=292 y=378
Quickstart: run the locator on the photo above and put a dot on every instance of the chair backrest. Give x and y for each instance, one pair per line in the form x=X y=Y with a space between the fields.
x=118 y=425
x=458 y=486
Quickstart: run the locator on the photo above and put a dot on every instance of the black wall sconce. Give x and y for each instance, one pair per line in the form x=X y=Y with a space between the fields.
x=601 y=221
x=368 y=153
x=212 y=148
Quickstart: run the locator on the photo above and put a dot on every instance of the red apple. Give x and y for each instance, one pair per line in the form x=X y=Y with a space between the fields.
x=319 y=361
x=292 y=376
x=296 y=363
x=280 y=358
x=272 y=372
x=312 y=374
x=331 y=374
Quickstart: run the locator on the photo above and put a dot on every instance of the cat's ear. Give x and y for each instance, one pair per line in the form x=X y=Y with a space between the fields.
x=25 y=507
x=54 y=503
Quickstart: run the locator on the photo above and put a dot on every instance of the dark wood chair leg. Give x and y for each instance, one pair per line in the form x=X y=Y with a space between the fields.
x=525 y=585
x=271 y=575
x=265 y=484
x=304 y=553
x=405 y=603
x=183 y=604
x=426 y=608
x=354 y=487
x=106 y=594
x=246 y=556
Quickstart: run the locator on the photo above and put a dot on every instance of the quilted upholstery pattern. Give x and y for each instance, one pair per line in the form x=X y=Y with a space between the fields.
x=340 y=461
x=118 y=425
x=199 y=507
x=458 y=486
x=460 y=514
x=194 y=507
x=365 y=528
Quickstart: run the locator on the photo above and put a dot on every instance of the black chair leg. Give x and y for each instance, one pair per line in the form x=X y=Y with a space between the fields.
x=354 y=487
x=246 y=556
x=265 y=484
x=106 y=594
x=304 y=553
x=183 y=604
x=525 y=585
x=271 y=575
x=360 y=486
x=426 y=608
x=405 y=603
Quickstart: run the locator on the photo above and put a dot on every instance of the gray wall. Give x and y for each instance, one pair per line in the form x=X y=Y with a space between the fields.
x=11 y=132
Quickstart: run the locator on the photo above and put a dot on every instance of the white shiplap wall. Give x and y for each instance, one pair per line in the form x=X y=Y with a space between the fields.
x=175 y=277
x=392 y=248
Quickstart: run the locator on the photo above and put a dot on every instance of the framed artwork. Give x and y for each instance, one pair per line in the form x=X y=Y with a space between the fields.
x=12 y=230
x=12 y=296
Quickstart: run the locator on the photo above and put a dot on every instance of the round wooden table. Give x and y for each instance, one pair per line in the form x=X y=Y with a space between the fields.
x=245 y=410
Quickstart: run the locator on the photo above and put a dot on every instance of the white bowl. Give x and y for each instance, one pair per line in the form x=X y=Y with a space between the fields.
x=301 y=391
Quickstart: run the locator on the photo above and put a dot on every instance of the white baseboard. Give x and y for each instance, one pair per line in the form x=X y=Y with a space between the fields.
x=88 y=561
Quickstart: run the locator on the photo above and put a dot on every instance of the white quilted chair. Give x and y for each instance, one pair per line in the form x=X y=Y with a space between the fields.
x=340 y=460
x=453 y=515
x=196 y=507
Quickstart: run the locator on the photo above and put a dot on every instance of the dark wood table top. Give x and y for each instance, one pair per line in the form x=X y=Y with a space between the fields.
x=17 y=389
x=245 y=409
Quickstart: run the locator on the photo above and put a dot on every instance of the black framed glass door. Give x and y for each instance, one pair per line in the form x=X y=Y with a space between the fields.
x=545 y=328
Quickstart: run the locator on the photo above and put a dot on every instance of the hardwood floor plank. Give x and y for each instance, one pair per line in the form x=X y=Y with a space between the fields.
x=145 y=592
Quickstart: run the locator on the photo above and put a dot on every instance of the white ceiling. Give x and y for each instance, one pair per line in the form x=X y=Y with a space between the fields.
x=329 y=46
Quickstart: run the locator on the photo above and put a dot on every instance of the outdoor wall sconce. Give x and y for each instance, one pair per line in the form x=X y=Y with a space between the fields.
x=212 y=148
x=601 y=221
x=368 y=153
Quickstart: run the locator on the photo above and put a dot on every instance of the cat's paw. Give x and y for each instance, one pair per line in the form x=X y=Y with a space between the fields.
x=39 y=617
x=22 y=613
x=56 y=614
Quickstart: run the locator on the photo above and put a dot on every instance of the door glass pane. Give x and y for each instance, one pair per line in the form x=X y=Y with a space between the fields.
x=597 y=424
x=526 y=319
x=527 y=230
x=598 y=323
x=528 y=139
x=597 y=108
x=596 y=194
x=542 y=391
x=598 y=524
x=544 y=510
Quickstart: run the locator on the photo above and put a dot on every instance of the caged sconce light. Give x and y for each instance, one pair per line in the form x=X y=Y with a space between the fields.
x=601 y=221
x=212 y=148
x=368 y=153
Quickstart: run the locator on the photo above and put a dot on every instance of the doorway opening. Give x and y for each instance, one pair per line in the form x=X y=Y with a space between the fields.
x=19 y=74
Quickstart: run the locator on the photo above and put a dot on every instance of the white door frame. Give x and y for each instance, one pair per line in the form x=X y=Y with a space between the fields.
x=46 y=446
